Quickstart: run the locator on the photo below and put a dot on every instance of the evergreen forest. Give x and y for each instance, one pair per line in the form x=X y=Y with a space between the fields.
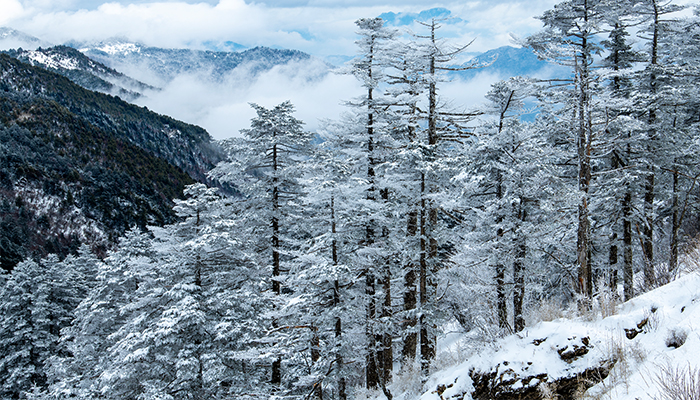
x=345 y=255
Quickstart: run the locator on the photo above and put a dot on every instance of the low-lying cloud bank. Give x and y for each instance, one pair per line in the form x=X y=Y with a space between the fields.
x=223 y=107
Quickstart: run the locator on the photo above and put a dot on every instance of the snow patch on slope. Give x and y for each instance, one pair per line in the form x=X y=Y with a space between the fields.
x=117 y=48
x=64 y=220
x=651 y=336
x=55 y=61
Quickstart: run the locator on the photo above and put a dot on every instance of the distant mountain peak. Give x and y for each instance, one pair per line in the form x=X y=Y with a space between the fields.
x=119 y=48
x=158 y=66
x=42 y=58
x=12 y=39
x=508 y=61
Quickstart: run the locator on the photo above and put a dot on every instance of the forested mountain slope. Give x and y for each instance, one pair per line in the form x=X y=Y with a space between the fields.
x=80 y=69
x=186 y=146
x=81 y=167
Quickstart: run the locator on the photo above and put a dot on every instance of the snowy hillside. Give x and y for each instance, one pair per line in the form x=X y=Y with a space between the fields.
x=83 y=71
x=651 y=342
x=157 y=66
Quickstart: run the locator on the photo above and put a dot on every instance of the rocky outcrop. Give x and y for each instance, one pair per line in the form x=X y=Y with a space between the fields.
x=572 y=367
x=507 y=385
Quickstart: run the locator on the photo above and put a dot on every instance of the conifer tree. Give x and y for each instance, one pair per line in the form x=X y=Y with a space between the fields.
x=571 y=38
x=369 y=68
x=266 y=166
x=86 y=342
x=26 y=337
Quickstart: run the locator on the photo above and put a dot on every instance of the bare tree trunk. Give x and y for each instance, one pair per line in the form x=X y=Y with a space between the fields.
x=410 y=299
x=519 y=272
x=276 y=375
x=336 y=303
x=675 y=226
x=428 y=222
x=387 y=356
x=519 y=288
x=387 y=351
x=372 y=369
x=315 y=356
x=501 y=305
x=628 y=267
x=584 y=158
x=612 y=263
x=648 y=230
x=427 y=257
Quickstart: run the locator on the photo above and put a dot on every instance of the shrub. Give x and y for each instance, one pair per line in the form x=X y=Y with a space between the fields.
x=676 y=337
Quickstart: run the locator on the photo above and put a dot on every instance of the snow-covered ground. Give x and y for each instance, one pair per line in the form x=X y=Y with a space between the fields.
x=653 y=340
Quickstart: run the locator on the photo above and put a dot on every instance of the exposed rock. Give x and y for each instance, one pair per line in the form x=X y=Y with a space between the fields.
x=528 y=369
x=505 y=385
x=633 y=332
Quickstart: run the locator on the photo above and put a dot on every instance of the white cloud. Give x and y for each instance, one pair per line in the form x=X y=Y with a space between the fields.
x=320 y=27
x=11 y=9
x=223 y=108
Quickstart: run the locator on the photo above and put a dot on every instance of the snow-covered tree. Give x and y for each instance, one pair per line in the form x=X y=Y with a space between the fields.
x=442 y=127
x=26 y=337
x=571 y=38
x=38 y=301
x=174 y=341
x=266 y=165
x=86 y=342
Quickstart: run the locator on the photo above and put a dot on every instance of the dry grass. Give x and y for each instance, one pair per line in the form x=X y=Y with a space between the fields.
x=407 y=381
x=628 y=356
x=547 y=391
x=547 y=310
x=606 y=299
x=678 y=383
x=690 y=260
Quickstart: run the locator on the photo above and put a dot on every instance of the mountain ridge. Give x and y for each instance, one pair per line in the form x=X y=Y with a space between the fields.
x=169 y=63
x=82 y=70
x=82 y=167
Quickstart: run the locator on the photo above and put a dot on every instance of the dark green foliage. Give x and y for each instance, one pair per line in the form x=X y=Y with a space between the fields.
x=79 y=149
x=186 y=146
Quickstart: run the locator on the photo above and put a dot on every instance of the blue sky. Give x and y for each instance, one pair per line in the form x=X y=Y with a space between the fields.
x=319 y=27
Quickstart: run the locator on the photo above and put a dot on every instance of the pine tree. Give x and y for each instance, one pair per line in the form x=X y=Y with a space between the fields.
x=655 y=102
x=621 y=58
x=26 y=337
x=266 y=168
x=86 y=342
x=38 y=301
x=571 y=38
x=442 y=127
x=174 y=340
x=371 y=137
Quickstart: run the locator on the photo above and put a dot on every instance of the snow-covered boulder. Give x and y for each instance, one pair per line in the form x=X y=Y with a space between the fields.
x=552 y=357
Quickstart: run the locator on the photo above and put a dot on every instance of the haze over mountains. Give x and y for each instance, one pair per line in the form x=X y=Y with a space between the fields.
x=212 y=89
